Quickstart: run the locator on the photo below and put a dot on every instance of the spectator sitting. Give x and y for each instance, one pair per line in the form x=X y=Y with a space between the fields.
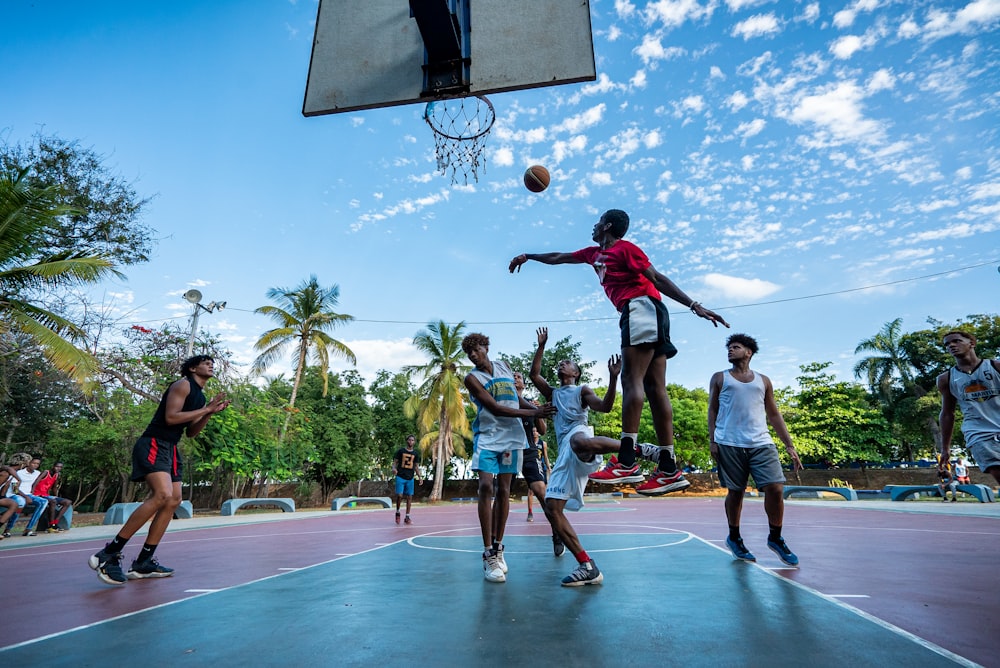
x=9 y=500
x=946 y=482
x=961 y=467
x=28 y=476
x=46 y=486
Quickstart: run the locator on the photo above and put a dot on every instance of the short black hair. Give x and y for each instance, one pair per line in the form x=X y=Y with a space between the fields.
x=744 y=340
x=190 y=363
x=473 y=340
x=619 y=222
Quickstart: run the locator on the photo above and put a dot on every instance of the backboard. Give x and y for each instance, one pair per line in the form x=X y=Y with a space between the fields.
x=372 y=53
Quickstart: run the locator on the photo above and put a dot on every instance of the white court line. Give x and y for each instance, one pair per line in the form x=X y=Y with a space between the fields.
x=200 y=591
x=848 y=595
x=290 y=569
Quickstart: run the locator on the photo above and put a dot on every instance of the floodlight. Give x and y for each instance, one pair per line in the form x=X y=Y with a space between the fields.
x=193 y=296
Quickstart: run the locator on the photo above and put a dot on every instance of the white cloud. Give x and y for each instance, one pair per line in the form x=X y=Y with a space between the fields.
x=585 y=119
x=761 y=25
x=732 y=287
x=503 y=157
x=839 y=114
x=601 y=179
x=882 y=79
x=979 y=15
x=374 y=355
x=651 y=50
x=737 y=101
x=809 y=13
x=673 y=13
x=986 y=190
x=751 y=129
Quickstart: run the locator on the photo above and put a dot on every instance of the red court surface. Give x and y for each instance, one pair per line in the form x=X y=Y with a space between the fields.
x=879 y=583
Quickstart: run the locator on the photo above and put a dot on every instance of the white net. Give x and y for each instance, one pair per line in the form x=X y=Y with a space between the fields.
x=460 y=127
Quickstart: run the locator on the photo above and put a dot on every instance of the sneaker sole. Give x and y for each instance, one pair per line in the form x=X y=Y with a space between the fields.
x=579 y=583
x=95 y=565
x=495 y=578
x=665 y=489
x=782 y=557
x=617 y=481
x=133 y=575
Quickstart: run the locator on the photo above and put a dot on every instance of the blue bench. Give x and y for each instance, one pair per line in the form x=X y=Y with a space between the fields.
x=337 y=504
x=846 y=492
x=903 y=492
x=65 y=522
x=120 y=512
x=232 y=505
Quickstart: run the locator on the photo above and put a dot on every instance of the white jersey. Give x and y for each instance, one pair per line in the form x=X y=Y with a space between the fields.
x=570 y=411
x=742 y=422
x=978 y=397
x=493 y=432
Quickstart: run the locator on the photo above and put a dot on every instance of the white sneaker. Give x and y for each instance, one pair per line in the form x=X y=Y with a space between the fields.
x=648 y=451
x=500 y=560
x=491 y=568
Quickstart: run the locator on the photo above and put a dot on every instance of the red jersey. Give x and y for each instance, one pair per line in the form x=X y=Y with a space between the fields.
x=44 y=484
x=619 y=268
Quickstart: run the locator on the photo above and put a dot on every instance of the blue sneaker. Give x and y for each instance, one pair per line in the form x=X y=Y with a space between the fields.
x=740 y=550
x=780 y=549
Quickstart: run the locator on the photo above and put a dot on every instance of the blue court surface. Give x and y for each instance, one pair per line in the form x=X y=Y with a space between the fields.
x=669 y=598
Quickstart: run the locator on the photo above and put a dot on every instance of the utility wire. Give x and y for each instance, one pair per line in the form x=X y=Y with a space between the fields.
x=604 y=319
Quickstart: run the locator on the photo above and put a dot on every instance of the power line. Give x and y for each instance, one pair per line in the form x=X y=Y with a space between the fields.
x=604 y=319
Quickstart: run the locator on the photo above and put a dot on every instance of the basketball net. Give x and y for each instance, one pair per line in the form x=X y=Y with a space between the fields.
x=460 y=127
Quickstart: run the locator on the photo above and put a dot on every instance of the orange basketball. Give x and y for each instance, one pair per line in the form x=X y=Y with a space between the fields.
x=536 y=178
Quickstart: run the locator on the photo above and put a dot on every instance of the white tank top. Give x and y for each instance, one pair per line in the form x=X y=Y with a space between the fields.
x=742 y=422
x=492 y=432
x=570 y=411
x=978 y=395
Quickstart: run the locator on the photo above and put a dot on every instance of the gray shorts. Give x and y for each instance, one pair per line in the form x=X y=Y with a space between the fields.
x=986 y=451
x=736 y=465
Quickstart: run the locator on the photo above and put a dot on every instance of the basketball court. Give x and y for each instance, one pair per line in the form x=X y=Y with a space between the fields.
x=875 y=586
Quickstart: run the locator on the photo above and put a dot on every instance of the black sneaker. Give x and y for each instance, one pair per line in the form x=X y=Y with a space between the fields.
x=397 y=518
x=586 y=573
x=407 y=520
x=108 y=567
x=557 y=546
x=150 y=568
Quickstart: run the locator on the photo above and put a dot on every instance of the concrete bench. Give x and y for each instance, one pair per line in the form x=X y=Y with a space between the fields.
x=846 y=492
x=232 y=505
x=120 y=512
x=902 y=492
x=65 y=522
x=384 y=501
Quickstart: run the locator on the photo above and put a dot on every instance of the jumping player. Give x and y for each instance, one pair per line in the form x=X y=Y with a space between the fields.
x=498 y=441
x=634 y=285
x=157 y=461
x=580 y=452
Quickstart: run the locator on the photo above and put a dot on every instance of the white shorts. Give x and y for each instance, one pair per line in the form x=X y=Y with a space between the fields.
x=569 y=476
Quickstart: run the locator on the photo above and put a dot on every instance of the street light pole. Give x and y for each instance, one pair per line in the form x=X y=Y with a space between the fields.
x=194 y=297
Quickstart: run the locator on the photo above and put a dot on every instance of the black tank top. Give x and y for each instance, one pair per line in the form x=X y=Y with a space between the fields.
x=158 y=427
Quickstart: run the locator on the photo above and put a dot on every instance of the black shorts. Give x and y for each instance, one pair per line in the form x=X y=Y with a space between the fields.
x=645 y=321
x=532 y=468
x=152 y=455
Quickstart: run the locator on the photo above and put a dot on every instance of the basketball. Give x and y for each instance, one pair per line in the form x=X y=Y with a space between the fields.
x=536 y=178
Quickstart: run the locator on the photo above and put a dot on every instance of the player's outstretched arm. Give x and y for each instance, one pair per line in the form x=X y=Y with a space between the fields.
x=670 y=289
x=605 y=405
x=544 y=258
x=535 y=373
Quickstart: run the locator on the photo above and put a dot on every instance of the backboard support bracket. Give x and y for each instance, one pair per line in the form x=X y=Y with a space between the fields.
x=444 y=29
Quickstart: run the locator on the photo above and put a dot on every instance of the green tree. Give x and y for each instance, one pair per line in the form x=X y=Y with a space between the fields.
x=563 y=349
x=304 y=316
x=100 y=213
x=439 y=404
x=389 y=392
x=28 y=214
x=833 y=421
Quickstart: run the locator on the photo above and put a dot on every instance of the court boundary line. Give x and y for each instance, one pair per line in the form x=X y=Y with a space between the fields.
x=889 y=626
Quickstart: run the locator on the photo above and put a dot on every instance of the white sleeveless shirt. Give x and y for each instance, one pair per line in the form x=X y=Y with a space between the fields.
x=978 y=396
x=570 y=410
x=742 y=422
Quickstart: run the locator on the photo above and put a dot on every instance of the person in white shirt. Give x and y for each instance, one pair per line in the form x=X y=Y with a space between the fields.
x=741 y=404
x=27 y=476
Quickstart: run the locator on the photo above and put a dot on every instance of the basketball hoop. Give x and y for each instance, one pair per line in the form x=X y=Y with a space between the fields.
x=460 y=126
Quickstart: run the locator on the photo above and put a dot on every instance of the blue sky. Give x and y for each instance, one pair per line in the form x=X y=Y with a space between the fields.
x=767 y=152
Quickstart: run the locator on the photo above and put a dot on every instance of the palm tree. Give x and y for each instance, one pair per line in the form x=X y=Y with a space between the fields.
x=889 y=363
x=304 y=316
x=440 y=399
x=26 y=212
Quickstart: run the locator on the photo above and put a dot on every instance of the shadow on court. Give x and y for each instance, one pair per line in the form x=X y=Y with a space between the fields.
x=668 y=599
